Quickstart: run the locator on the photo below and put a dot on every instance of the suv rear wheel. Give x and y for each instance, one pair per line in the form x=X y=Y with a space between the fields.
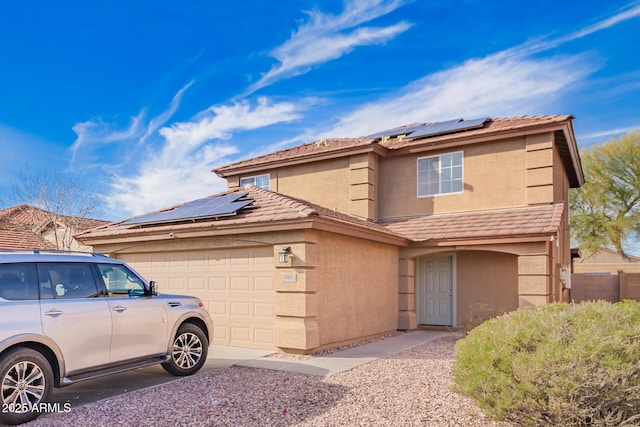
x=26 y=381
x=188 y=351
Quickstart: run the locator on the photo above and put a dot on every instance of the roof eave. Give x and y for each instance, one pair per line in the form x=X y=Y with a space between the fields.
x=572 y=145
x=466 y=138
x=476 y=241
x=208 y=229
x=230 y=170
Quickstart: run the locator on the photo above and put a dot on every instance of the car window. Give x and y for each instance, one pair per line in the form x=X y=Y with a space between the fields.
x=18 y=281
x=119 y=280
x=63 y=280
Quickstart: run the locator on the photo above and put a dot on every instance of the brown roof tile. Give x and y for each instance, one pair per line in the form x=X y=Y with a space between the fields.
x=17 y=223
x=335 y=145
x=513 y=222
x=20 y=239
x=325 y=146
x=267 y=207
x=493 y=126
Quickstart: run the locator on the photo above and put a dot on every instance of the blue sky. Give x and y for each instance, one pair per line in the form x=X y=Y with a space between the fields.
x=145 y=98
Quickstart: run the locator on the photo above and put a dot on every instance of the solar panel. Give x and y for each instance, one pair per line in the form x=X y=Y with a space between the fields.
x=432 y=129
x=202 y=208
x=450 y=126
x=395 y=132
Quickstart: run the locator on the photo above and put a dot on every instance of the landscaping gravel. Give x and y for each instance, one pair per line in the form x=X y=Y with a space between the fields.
x=411 y=388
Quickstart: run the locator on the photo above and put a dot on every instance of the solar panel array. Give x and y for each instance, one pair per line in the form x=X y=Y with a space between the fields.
x=433 y=129
x=209 y=207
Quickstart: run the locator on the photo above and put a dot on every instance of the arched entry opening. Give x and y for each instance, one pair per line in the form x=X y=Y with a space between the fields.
x=465 y=287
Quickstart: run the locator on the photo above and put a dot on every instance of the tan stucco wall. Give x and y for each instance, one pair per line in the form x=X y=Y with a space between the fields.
x=346 y=184
x=494 y=177
x=326 y=183
x=357 y=288
x=486 y=285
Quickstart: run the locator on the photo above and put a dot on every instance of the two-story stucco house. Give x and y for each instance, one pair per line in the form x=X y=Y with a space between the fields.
x=432 y=224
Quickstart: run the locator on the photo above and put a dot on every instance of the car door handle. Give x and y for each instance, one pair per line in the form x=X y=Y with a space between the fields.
x=54 y=312
x=119 y=308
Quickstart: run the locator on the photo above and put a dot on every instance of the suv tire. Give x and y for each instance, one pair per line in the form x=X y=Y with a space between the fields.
x=188 y=351
x=26 y=380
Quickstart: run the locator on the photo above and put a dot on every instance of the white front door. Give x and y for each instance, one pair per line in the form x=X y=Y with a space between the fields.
x=435 y=291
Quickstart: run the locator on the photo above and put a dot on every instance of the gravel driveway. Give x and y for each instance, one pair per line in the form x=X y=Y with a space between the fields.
x=407 y=389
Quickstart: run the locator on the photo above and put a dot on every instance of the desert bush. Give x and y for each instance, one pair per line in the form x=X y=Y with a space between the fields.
x=558 y=364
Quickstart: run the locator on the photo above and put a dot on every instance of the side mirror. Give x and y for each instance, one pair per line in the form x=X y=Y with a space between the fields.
x=153 y=288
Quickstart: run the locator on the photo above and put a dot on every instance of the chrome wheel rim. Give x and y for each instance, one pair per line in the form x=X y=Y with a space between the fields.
x=187 y=350
x=23 y=386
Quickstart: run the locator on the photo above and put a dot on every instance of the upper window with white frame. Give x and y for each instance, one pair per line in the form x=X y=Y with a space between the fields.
x=262 y=181
x=441 y=174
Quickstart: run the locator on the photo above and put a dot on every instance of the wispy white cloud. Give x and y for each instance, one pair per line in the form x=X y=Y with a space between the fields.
x=497 y=85
x=160 y=120
x=511 y=82
x=543 y=44
x=180 y=166
x=624 y=14
x=608 y=133
x=325 y=37
x=100 y=132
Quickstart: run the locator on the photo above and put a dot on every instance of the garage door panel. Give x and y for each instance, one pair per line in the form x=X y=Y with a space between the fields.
x=240 y=335
x=177 y=283
x=196 y=283
x=217 y=283
x=240 y=284
x=264 y=310
x=221 y=333
x=217 y=308
x=241 y=309
x=263 y=284
x=236 y=286
x=263 y=337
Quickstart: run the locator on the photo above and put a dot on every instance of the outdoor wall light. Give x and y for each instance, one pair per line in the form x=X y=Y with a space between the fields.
x=282 y=255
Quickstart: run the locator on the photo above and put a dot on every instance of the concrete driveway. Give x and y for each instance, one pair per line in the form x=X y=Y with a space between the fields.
x=92 y=390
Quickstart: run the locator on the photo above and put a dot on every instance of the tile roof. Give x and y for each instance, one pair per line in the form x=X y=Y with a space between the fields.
x=267 y=207
x=329 y=146
x=321 y=147
x=524 y=221
x=18 y=222
x=493 y=126
x=21 y=239
x=607 y=256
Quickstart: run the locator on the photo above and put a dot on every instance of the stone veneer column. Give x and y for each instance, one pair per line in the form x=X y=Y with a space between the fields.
x=534 y=280
x=296 y=329
x=407 y=318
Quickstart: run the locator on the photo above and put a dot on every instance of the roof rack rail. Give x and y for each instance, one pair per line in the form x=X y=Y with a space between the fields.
x=51 y=251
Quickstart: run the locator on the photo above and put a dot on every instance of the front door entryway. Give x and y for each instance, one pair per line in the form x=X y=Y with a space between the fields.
x=434 y=293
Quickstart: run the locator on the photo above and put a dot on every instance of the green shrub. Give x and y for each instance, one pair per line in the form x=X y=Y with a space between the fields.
x=559 y=364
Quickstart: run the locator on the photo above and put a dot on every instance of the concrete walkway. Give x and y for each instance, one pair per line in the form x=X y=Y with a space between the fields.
x=331 y=364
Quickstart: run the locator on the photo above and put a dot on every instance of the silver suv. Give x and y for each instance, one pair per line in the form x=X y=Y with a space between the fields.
x=67 y=317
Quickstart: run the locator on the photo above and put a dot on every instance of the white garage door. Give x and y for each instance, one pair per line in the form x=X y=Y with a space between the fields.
x=236 y=286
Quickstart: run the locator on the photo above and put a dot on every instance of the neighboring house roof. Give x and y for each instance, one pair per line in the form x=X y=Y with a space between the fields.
x=492 y=129
x=273 y=210
x=19 y=239
x=20 y=224
x=608 y=256
x=513 y=222
x=606 y=261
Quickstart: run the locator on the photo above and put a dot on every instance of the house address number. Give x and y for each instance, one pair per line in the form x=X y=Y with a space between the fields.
x=288 y=277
